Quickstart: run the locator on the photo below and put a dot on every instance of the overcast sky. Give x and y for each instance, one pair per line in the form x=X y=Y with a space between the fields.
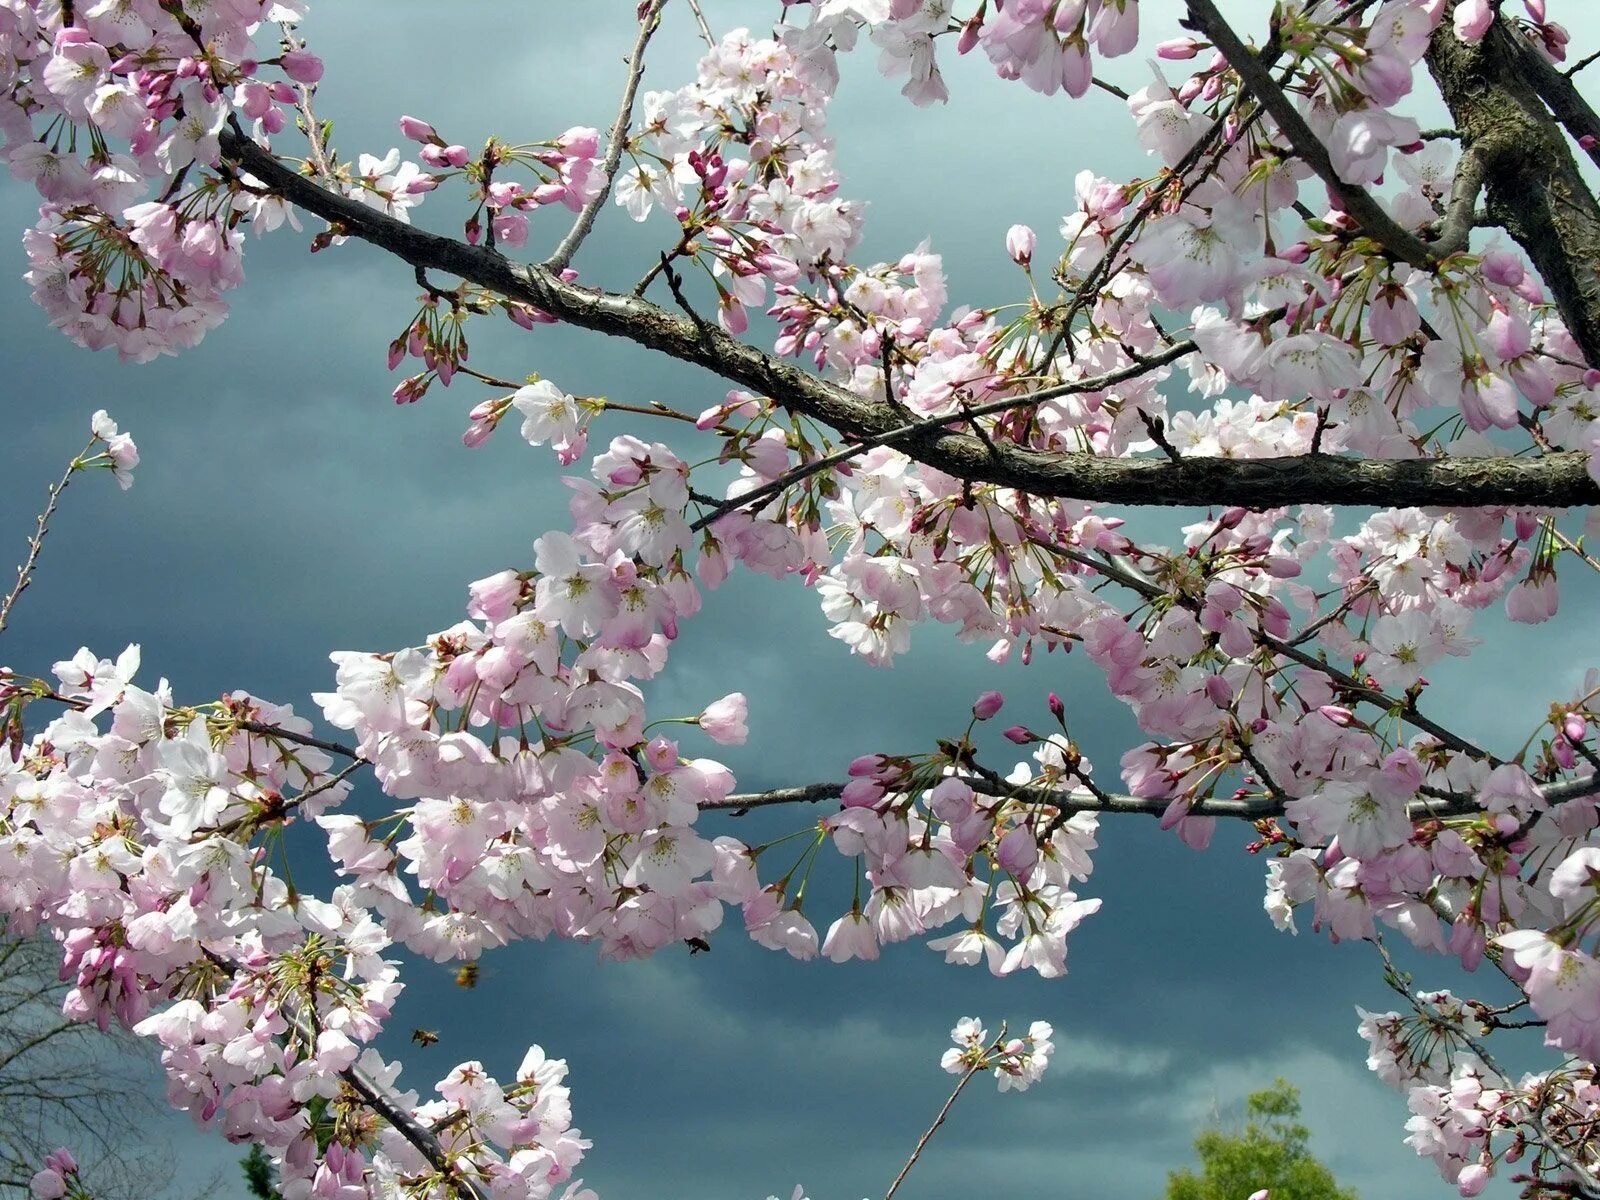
x=285 y=508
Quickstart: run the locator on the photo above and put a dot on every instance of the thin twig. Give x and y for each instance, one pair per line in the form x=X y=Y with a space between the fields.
x=261 y=727
x=700 y=19
x=562 y=257
x=1158 y=435
x=1091 y=799
x=1581 y=64
x=944 y=1112
x=1266 y=641
x=968 y=413
x=254 y=820
x=36 y=543
x=303 y=739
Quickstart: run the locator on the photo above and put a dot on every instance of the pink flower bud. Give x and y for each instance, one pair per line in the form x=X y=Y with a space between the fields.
x=1177 y=49
x=866 y=767
x=1219 y=690
x=418 y=131
x=1337 y=714
x=861 y=793
x=725 y=721
x=1020 y=734
x=1495 y=566
x=1020 y=241
x=580 y=142
x=987 y=704
x=1503 y=267
x=1018 y=851
x=302 y=66
x=1561 y=750
x=1575 y=727
x=1057 y=709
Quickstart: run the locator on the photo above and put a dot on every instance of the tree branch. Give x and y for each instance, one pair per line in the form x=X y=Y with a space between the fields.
x=1253 y=74
x=261 y=727
x=944 y=1112
x=562 y=256
x=700 y=20
x=303 y=739
x=1535 y=190
x=1400 y=981
x=1553 y=481
x=1278 y=646
x=36 y=543
x=1068 y=800
x=1557 y=89
x=1461 y=214
x=423 y=1139
x=1083 y=800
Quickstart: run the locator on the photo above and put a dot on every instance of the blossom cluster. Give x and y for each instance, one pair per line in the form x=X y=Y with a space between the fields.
x=1017 y=1062
x=1279 y=662
x=1467 y=1115
x=143 y=837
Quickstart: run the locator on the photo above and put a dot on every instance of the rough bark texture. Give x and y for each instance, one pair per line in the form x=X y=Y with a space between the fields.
x=1551 y=481
x=1535 y=191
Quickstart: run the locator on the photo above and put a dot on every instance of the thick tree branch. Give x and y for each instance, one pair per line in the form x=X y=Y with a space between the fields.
x=1535 y=191
x=1553 y=481
x=1082 y=800
x=1562 y=95
x=1071 y=800
x=815 y=466
x=1253 y=74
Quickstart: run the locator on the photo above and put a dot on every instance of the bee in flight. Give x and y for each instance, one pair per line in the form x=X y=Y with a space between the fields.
x=467 y=975
x=424 y=1037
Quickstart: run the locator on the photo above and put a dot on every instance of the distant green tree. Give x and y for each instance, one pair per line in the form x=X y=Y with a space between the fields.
x=1270 y=1153
x=259 y=1178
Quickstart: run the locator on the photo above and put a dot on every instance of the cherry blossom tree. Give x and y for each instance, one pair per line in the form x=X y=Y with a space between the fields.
x=1361 y=357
